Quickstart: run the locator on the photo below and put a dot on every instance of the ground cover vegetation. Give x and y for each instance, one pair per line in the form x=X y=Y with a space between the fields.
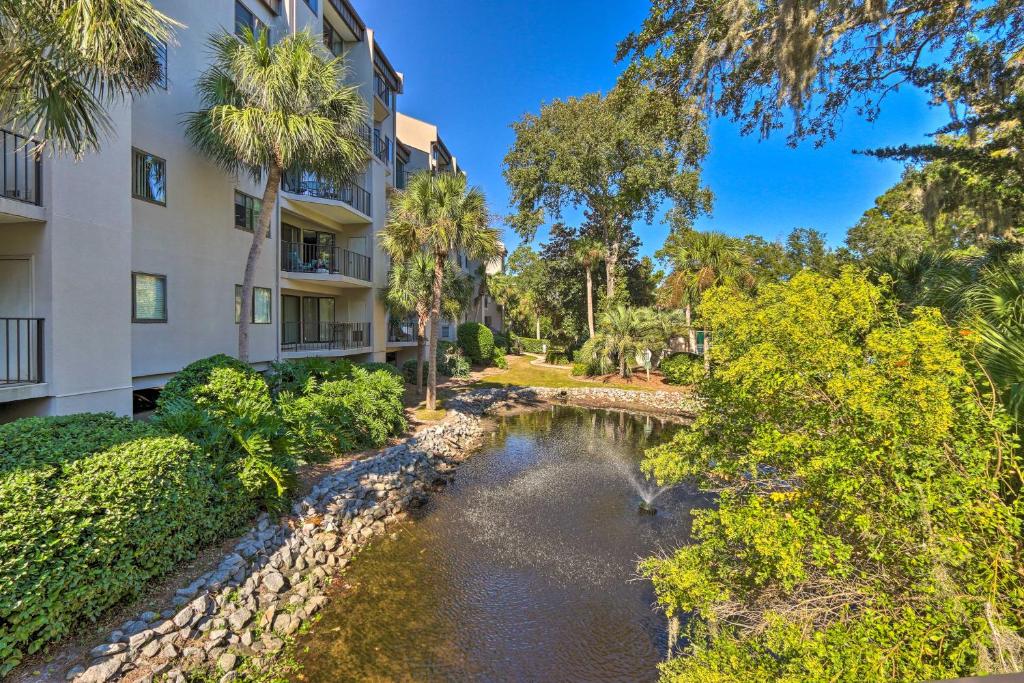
x=93 y=506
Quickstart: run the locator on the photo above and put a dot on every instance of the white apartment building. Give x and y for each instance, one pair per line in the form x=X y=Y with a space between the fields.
x=118 y=270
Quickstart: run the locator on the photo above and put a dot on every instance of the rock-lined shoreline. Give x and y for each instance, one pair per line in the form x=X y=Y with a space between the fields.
x=275 y=579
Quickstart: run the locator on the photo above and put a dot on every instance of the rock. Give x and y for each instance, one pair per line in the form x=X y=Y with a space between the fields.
x=73 y=672
x=227 y=661
x=239 y=618
x=219 y=634
x=134 y=627
x=107 y=649
x=274 y=582
x=164 y=627
x=151 y=649
x=149 y=617
x=140 y=639
x=184 y=617
x=169 y=651
x=103 y=671
x=115 y=637
x=282 y=622
x=272 y=643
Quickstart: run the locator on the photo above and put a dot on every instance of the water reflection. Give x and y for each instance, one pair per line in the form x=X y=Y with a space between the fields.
x=523 y=570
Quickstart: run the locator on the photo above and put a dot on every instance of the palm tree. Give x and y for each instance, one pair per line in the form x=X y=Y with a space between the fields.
x=62 y=62
x=588 y=252
x=441 y=215
x=626 y=333
x=710 y=259
x=409 y=292
x=272 y=108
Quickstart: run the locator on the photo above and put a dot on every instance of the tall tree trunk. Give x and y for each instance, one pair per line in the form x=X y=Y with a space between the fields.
x=707 y=352
x=590 y=302
x=435 y=330
x=421 y=330
x=692 y=333
x=259 y=236
x=538 y=327
x=611 y=260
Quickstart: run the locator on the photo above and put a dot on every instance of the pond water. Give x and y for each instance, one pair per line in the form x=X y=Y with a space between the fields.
x=523 y=569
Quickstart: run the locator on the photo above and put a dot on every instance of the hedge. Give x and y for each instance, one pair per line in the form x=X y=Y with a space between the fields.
x=87 y=520
x=556 y=357
x=499 y=360
x=477 y=341
x=531 y=345
x=682 y=368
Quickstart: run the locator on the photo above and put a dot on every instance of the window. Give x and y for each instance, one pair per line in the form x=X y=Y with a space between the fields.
x=149 y=177
x=245 y=19
x=273 y=5
x=161 y=63
x=487 y=320
x=333 y=40
x=247 y=212
x=260 y=305
x=312 y=5
x=149 y=298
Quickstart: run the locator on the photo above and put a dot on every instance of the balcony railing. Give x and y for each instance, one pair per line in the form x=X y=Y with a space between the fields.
x=306 y=336
x=299 y=257
x=21 y=175
x=383 y=90
x=402 y=331
x=382 y=146
x=366 y=134
x=313 y=186
x=21 y=346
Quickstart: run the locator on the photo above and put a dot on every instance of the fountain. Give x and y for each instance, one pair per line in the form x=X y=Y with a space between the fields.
x=647 y=509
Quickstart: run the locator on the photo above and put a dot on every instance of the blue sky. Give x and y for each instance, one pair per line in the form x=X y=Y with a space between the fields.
x=474 y=66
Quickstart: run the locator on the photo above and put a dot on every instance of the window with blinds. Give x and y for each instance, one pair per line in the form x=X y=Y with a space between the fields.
x=149 y=177
x=260 y=305
x=247 y=212
x=149 y=298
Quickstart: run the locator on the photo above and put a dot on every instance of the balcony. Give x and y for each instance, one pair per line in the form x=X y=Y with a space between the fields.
x=402 y=331
x=382 y=148
x=319 y=337
x=324 y=192
x=21 y=179
x=299 y=257
x=385 y=94
x=21 y=359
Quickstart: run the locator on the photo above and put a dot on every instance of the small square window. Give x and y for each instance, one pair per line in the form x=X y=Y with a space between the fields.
x=261 y=297
x=149 y=177
x=312 y=4
x=149 y=298
x=245 y=19
x=247 y=212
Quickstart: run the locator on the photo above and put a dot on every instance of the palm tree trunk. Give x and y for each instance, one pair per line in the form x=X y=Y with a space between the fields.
x=435 y=330
x=259 y=236
x=590 y=302
x=421 y=330
x=691 y=333
x=538 y=327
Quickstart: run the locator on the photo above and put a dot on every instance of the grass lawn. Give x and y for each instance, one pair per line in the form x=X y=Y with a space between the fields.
x=521 y=373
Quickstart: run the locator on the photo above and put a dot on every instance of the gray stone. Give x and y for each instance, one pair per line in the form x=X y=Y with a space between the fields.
x=219 y=634
x=272 y=643
x=107 y=649
x=104 y=671
x=282 y=622
x=151 y=649
x=74 y=671
x=227 y=661
x=239 y=618
x=140 y=639
x=149 y=617
x=274 y=582
x=134 y=627
x=115 y=637
x=184 y=617
x=169 y=651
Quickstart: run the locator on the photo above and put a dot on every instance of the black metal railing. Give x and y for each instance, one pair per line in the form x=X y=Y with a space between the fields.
x=382 y=146
x=402 y=331
x=306 y=336
x=313 y=186
x=350 y=18
x=366 y=134
x=21 y=346
x=383 y=90
x=21 y=174
x=299 y=257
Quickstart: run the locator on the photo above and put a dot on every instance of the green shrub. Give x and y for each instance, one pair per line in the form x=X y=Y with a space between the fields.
x=345 y=415
x=554 y=357
x=580 y=369
x=386 y=367
x=294 y=375
x=499 y=360
x=501 y=339
x=235 y=421
x=197 y=374
x=589 y=361
x=409 y=371
x=530 y=345
x=477 y=341
x=84 y=524
x=451 y=363
x=682 y=368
